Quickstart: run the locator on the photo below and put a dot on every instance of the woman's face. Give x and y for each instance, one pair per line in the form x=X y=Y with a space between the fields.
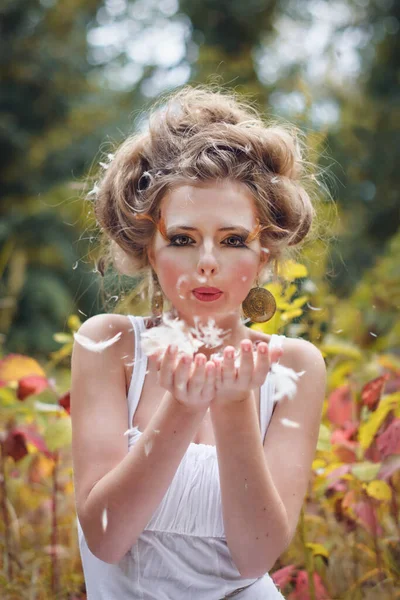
x=207 y=226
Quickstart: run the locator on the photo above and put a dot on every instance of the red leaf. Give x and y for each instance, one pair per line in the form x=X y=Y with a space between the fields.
x=372 y=391
x=32 y=384
x=283 y=576
x=34 y=438
x=302 y=591
x=65 y=401
x=388 y=442
x=366 y=516
x=14 y=445
x=340 y=406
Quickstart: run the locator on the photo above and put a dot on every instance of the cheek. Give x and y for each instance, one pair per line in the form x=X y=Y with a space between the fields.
x=170 y=272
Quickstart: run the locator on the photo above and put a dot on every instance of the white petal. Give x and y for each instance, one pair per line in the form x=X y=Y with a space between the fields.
x=104 y=519
x=96 y=346
x=147 y=447
x=289 y=423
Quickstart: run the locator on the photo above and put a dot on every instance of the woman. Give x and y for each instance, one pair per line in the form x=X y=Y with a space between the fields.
x=206 y=494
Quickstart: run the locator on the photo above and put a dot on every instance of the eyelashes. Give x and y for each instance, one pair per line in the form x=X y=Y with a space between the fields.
x=237 y=237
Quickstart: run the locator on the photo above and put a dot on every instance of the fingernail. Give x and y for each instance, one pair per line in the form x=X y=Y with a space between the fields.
x=229 y=354
x=263 y=349
x=172 y=349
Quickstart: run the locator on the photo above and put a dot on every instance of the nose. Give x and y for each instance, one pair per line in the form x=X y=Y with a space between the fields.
x=207 y=264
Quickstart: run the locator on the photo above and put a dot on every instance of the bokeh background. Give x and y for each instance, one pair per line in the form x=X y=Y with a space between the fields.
x=76 y=78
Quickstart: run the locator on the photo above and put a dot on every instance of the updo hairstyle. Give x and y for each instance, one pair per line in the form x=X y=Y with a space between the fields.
x=200 y=135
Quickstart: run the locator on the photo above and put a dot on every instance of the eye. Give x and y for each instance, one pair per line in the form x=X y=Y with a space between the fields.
x=238 y=239
x=173 y=240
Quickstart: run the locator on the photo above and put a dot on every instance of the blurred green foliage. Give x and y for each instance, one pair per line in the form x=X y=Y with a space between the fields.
x=76 y=77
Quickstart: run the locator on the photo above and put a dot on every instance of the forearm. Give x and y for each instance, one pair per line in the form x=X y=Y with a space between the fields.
x=132 y=491
x=255 y=519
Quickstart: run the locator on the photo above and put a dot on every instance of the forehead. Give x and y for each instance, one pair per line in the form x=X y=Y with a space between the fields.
x=209 y=202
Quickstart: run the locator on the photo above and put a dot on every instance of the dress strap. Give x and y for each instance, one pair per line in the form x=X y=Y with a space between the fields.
x=139 y=369
x=267 y=392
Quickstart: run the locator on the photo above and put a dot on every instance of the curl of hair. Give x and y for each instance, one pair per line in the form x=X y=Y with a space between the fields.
x=200 y=135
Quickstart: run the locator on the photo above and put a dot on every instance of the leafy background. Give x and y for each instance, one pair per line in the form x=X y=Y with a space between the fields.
x=77 y=77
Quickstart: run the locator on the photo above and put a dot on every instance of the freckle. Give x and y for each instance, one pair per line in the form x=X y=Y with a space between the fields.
x=174 y=431
x=265 y=508
x=256 y=538
x=267 y=535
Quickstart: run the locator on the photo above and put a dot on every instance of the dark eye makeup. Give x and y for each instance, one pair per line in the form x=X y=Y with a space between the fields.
x=239 y=238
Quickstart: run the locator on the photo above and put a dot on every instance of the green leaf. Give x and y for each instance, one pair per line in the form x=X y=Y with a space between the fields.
x=324 y=439
x=366 y=471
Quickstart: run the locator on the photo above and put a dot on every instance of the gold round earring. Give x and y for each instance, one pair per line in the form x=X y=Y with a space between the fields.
x=259 y=305
x=157 y=299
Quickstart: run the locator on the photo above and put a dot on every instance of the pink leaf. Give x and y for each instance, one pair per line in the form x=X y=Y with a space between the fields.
x=366 y=515
x=388 y=442
x=302 y=591
x=340 y=406
x=283 y=576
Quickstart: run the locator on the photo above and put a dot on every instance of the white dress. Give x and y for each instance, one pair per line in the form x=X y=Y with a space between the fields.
x=182 y=553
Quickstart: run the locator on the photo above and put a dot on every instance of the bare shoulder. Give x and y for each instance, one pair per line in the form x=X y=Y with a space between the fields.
x=102 y=327
x=298 y=353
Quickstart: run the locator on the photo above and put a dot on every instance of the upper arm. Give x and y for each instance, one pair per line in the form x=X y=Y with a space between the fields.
x=289 y=451
x=99 y=411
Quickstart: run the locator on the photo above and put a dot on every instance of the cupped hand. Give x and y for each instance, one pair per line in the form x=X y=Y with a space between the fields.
x=235 y=383
x=191 y=380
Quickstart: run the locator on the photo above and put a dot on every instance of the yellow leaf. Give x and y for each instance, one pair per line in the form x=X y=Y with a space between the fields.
x=300 y=301
x=369 y=428
x=318 y=463
x=7 y=397
x=339 y=375
x=74 y=322
x=342 y=348
x=292 y=314
x=69 y=487
x=379 y=490
x=318 y=550
x=291 y=270
x=63 y=338
x=16 y=366
x=58 y=434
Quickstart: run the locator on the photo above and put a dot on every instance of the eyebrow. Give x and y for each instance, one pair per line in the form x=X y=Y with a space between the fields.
x=229 y=228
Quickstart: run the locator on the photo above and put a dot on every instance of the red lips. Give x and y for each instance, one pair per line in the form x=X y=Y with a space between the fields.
x=207 y=290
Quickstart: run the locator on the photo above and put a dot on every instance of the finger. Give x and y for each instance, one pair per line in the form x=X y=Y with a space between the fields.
x=154 y=361
x=209 y=386
x=217 y=371
x=263 y=364
x=228 y=366
x=181 y=374
x=196 y=380
x=246 y=366
x=167 y=366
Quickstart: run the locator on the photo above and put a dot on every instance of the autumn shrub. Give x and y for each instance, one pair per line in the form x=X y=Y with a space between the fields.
x=347 y=541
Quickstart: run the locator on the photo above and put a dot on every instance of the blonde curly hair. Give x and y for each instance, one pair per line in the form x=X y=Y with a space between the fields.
x=201 y=135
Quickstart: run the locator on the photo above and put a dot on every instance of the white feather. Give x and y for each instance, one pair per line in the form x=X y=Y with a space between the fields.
x=284 y=379
x=96 y=346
